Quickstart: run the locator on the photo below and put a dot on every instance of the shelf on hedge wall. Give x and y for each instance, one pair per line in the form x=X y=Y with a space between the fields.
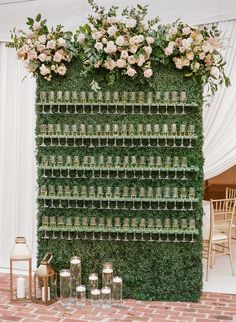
x=120 y=169
x=117 y=173
x=80 y=198
x=119 y=137
x=131 y=204
x=141 y=230
x=193 y=104
x=113 y=108
x=133 y=141
x=120 y=234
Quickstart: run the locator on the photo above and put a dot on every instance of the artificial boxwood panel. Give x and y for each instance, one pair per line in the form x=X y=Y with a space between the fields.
x=151 y=271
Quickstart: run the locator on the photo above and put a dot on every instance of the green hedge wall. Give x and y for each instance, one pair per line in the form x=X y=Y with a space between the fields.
x=151 y=271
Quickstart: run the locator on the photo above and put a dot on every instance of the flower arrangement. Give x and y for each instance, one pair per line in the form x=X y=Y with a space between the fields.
x=44 y=52
x=196 y=51
x=118 y=44
x=127 y=46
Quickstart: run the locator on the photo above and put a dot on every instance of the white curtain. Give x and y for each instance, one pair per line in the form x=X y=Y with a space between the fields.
x=17 y=146
x=17 y=155
x=220 y=117
x=72 y=13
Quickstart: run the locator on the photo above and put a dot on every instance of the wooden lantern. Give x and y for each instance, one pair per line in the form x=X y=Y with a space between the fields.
x=20 y=286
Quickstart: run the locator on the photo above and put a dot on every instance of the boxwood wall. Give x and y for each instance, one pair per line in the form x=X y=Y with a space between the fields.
x=151 y=271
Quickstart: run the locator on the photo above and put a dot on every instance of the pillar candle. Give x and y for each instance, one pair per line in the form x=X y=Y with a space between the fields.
x=43 y=297
x=20 y=287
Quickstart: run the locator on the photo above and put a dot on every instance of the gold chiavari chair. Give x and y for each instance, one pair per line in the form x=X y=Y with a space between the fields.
x=220 y=242
x=230 y=193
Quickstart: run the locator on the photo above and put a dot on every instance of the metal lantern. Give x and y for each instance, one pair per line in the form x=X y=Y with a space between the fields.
x=20 y=286
x=45 y=282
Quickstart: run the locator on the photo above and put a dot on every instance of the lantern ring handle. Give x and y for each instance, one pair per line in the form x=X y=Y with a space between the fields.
x=46 y=256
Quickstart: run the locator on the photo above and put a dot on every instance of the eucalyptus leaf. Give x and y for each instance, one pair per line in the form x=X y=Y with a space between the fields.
x=38 y=17
x=30 y=21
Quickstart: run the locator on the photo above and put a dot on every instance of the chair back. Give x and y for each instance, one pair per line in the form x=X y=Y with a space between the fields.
x=230 y=193
x=221 y=213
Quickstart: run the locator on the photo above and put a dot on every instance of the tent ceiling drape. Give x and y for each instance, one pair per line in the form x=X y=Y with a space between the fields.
x=17 y=120
x=72 y=13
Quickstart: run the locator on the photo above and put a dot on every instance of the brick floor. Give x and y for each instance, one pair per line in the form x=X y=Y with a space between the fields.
x=213 y=307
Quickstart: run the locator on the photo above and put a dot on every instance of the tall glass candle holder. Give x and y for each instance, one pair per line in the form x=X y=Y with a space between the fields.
x=65 y=287
x=93 y=281
x=80 y=296
x=95 y=297
x=117 y=289
x=106 y=297
x=107 y=274
x=75 y=271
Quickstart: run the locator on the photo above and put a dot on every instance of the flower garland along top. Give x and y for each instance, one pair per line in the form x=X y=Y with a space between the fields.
x=118 y=45
x=126 y=46
x=44 y=52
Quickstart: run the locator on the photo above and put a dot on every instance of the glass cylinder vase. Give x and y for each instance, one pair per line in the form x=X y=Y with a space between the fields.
x=107 y=274
x=95 y=297
x=65 y=287
x=106 y=297
x=75 y=272
x=80 y=295
x=93 y=281
x=117 y=289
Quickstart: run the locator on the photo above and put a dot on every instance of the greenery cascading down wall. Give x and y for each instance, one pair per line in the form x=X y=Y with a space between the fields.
x=150 y=271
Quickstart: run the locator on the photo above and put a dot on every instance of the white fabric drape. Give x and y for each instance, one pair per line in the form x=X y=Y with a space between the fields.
x=72 y=13
x=220 y=117
x=17 y=146
x=17 y=161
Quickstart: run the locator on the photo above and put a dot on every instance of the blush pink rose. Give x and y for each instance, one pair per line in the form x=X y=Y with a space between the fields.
x=57 y=57
x=148 y=73
x=32 y=54
x=131 y=72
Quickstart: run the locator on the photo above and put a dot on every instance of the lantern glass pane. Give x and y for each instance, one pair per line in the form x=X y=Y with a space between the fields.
x=41 y=284
x=53 y=286
x=20 y=250
x=20 y=284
